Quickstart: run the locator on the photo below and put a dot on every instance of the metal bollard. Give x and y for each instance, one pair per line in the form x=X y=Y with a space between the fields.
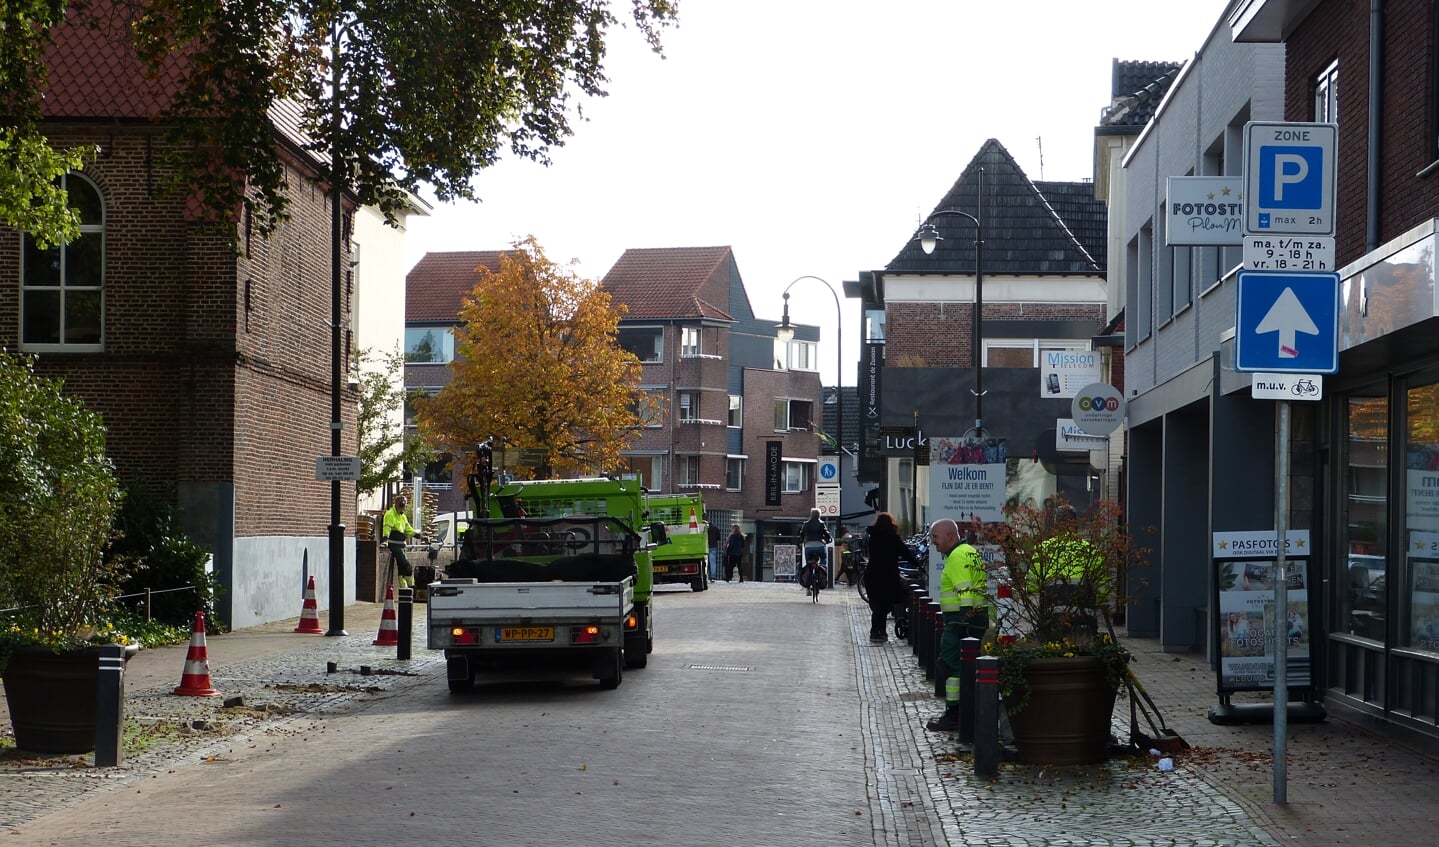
x=927 y=645
x=986 y=715
x=936 y=625
x=968 y=655
x=404 y=622
x=110 y=706
x=917 y=597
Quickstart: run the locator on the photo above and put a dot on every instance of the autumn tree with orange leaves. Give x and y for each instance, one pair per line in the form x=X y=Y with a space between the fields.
x=536 y=363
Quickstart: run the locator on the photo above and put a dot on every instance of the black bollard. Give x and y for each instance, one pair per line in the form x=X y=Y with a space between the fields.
x=936 y=626
x=968 y=655
x=404 y=622
x=110 y=706
x=986 y=716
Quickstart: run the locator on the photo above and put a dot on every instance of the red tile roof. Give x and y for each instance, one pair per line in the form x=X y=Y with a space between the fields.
x=94 y=72
x=438 y=283
x=672 y=282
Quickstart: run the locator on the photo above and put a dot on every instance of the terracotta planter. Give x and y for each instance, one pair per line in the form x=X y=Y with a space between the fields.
x=52 y=698
x=1066 y=721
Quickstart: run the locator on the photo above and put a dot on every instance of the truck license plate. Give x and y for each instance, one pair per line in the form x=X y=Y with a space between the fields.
x=661 y=568
x=525 y=633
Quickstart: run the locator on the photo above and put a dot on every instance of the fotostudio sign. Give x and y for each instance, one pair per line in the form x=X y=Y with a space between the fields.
x=1204 y=210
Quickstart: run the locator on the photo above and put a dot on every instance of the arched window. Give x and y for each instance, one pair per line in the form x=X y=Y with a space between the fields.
x=62 y=304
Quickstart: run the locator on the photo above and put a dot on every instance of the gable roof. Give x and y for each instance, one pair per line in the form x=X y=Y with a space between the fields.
x=438 y=283
x=669 y=283
x=1029 y=228
x=1136 y=91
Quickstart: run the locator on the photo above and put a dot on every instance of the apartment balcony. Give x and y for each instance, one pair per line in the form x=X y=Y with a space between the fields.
x=701 y=370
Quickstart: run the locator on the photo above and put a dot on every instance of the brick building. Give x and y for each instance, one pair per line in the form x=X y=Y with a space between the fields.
x=210 y=367
x=1043 y=292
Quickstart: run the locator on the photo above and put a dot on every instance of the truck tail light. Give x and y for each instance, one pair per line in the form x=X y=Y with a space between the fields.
x=632 y=622
x=464 y=635
x=585 y=634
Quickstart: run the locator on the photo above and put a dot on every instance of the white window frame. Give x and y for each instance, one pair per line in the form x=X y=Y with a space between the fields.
x=446 y=353
x=734 y=473
x=687 y=471
x=688 y=403
x=689 y=342
x=795 y=477
x=1326 y=94
x=1037 y=346
x=61 y=284
x=736 y=410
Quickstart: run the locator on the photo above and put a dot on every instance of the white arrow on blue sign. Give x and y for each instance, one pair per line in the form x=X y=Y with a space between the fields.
x=1287 y=323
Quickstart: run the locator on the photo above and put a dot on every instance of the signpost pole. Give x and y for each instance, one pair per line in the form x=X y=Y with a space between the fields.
x=1281 y=610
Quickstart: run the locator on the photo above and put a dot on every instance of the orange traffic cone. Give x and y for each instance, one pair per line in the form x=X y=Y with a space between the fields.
x=389 y=625
x=195 y=681
x=694 y=522
x=309 y=612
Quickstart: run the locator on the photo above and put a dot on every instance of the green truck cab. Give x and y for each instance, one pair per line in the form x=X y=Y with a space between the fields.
x=685 y=559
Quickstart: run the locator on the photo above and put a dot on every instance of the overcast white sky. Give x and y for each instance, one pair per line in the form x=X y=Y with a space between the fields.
x=812 y=136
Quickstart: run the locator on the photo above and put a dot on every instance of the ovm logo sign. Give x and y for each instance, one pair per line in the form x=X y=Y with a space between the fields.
x=1098 y=404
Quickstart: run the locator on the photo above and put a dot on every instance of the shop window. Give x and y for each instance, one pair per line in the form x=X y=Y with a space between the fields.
x=1364 y=601
x=1419 y=602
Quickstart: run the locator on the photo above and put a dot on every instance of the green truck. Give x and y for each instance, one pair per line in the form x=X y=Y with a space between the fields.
x=557 y=576
x=685 y=559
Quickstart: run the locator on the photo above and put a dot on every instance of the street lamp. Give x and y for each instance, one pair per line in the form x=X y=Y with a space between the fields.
x=928 y=237
x=785 y=333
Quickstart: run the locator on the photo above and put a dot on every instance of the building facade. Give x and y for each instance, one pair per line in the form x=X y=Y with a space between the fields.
x=210 y=367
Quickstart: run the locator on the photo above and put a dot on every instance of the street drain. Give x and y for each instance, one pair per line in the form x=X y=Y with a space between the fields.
x=716 y=668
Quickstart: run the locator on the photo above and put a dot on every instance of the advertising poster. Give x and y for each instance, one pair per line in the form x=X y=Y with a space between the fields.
x=967 y=478
x=1246 y=626
x=784 y=557
x=1424 y=597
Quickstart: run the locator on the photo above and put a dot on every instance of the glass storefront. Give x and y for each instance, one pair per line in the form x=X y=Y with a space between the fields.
x=1419 y=602
x=1362 y=603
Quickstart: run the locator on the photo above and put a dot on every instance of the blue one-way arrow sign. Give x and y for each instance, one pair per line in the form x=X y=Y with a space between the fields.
x=1287 y=323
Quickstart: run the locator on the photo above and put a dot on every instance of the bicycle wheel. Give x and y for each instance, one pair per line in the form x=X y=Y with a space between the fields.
x=863 y=592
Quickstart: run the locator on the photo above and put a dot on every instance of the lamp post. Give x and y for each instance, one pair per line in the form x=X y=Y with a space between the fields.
x=337 y=183
x=928 y=237
x=785 y=333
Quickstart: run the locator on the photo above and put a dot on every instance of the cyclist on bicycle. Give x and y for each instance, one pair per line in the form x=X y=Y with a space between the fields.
x=397 y=531
x=814 y=535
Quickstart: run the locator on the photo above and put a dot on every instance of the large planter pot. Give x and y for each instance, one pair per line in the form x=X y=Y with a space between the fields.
x=52 y=698
x=1066 y=721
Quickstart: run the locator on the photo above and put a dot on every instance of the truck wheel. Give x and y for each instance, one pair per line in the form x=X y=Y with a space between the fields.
x=617 y=675
x=460 y=674
x=636 y=656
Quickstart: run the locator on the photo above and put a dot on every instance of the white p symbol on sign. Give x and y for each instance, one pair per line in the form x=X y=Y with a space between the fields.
x=1289 y=169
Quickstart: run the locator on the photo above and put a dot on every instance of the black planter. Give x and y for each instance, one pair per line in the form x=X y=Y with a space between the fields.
x=52 y=698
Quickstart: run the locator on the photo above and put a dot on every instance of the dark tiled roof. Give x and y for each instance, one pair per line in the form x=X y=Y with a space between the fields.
x=669 y=283
x=438 y=283
x=1136 y=91
x=1029 y=228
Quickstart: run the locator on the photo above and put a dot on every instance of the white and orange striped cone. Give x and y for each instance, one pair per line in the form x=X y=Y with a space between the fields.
x=310 y=612
x=389 y=625
x=195 y=681
x=694 y=522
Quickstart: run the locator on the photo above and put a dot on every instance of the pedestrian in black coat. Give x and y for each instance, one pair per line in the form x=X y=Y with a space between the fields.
x=881 y=577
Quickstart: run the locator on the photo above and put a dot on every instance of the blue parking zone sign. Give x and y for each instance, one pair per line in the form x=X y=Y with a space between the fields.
x=1289 y=178
x=1287 y=322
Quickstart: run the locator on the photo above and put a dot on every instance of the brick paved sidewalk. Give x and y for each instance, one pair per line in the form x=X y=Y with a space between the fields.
x=1346 y=784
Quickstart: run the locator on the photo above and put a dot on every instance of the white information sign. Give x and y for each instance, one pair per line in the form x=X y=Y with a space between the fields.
x=1288 y=253
x=331 y=468
x=826 y=499
x=1267 y=386
x=1069 y=438
x=1255 y=543
x=1062 y=373
x=1204 y=210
